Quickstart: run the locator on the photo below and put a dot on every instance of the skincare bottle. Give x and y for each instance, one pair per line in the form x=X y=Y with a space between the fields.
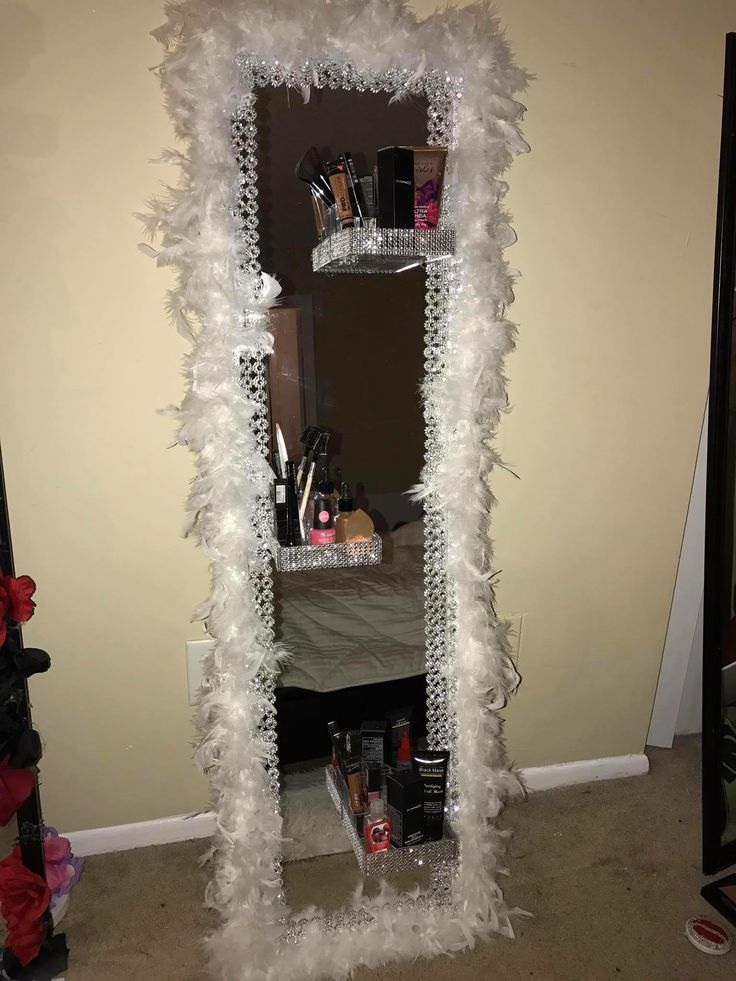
x=322 y=533
x=326 y=488
x=403 y=757
x=377 y=828
x=344 y=510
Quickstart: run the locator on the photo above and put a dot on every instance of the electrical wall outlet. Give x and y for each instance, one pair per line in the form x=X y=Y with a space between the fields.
x=196 y=650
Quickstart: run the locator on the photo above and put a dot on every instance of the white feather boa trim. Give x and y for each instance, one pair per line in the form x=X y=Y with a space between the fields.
x=199 y=235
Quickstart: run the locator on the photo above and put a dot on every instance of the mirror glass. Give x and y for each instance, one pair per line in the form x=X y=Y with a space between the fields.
x=348 y=359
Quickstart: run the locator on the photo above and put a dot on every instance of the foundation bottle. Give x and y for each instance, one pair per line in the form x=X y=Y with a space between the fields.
x=344 y=510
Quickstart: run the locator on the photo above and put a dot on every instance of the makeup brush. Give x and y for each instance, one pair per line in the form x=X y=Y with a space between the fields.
x=310 y=438
x=310 y=170
x=281 y=444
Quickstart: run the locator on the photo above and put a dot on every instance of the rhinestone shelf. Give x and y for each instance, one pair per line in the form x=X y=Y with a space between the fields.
x=369 y=249
x=432 y=854
x=299 y=558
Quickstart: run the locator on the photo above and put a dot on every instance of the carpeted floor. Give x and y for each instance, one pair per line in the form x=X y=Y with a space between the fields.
x=610 y=870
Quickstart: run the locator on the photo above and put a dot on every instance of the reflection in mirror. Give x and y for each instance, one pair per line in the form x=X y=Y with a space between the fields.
x=348 y=361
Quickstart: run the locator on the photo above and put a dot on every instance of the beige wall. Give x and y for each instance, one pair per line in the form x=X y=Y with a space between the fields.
x=615 y=213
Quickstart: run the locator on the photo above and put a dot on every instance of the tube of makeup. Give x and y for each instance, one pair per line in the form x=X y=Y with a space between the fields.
x=431 y=765
x=337 y=173
x=356 y=191
x=293 y=531
x=355 y=783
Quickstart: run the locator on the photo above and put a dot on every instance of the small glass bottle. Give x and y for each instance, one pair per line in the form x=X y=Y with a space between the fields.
x=377 y=828
x=345 y=509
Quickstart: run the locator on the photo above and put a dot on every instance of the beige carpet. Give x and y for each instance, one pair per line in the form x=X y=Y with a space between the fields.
x=611 y=872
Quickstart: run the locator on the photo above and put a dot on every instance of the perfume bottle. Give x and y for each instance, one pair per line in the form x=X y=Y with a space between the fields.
x=377 y=828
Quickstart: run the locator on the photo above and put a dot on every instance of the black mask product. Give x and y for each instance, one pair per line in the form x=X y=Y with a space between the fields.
x=431 y=766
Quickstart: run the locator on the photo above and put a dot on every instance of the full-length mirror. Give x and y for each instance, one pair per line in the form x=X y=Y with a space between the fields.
x=345 y=409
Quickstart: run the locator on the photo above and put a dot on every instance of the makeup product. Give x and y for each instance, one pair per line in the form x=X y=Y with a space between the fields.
x=398 y=722
x=310 y=170
x=327 y=489
x=340 y=743
x=377 y=828
x=429 y=172
x=431 y=765
x=322 y=533
x=283 y=455
x=354 y=742
x=305 y=494
x=405 y=808
x=368 y=190
x=344 y=510
x=356 y=191
x=293 y=532
x=372 y=778
x=395 y=187
x=310 y=438
x=358 y=527
x=333 y=728
x=373 y=743
x=337 y=173
x=354 y=782
x=403 y=754
x=281 y=511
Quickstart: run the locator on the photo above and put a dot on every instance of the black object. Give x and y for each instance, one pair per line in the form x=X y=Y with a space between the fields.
x=281 y=510
x=326 y=486
x=345 y=502
x=356 y=191
x=310 y=170
x=395 y=187
x=405 y=807
x=293 y=531
x=717 y=898
x=718 y=611
x=302 y=715
x=373 y=743
x=29 y=817
x=52 y=961
x=322 y=506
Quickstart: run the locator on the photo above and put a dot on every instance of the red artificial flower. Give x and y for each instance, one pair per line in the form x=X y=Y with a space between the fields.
x=24 y=900
x=15 y=601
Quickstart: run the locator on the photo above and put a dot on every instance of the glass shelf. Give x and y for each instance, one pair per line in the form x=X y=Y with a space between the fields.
x=432 y=854
x=299 y=558
x=369 y=249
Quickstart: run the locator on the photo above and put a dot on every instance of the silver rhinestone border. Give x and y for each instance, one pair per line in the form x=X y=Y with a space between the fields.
x=442 y=92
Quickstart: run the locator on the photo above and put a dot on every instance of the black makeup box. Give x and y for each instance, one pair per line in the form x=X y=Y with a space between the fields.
x=373 y=743
x=395 y=187
x=405 y=807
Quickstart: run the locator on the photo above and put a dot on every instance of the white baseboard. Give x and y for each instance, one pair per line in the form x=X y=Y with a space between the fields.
x=585 y=771
x=161 y=831
x=185 y=827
